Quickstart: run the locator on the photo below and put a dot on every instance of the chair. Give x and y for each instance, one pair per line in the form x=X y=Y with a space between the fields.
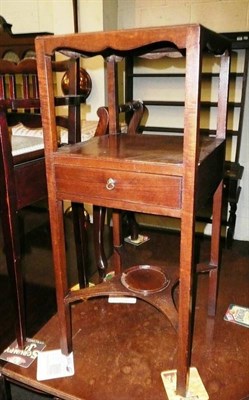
x=155 y=174
x=23 y=178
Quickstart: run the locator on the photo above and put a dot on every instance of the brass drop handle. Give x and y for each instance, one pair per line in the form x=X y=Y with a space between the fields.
x=110 y=184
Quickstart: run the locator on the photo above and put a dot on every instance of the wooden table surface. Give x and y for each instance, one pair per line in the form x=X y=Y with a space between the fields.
x=115 y=358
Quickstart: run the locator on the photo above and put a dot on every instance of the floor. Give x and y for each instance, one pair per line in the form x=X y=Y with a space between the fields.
x=220 y=348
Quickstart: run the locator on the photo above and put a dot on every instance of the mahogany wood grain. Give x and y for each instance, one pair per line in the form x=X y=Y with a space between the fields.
x=146 y=173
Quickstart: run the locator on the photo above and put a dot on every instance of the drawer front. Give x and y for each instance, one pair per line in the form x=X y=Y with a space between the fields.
x=95 y=185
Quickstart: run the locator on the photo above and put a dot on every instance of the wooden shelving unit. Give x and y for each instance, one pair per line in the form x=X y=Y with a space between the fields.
x=137 y=72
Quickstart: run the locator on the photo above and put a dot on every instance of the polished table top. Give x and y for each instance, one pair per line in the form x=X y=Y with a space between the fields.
x=120 y=358
x=138 y=166
x=115 y=358
x=125 y=150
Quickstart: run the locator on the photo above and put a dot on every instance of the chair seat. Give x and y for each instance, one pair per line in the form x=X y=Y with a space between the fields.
x=88 y=129
x=24 y=144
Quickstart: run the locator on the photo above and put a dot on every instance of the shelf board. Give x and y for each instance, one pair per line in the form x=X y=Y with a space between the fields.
x=204 y=131
x=170 y=103
x=180 y=75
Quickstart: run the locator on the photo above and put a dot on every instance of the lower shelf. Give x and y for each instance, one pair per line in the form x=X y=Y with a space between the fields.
x=152 y=284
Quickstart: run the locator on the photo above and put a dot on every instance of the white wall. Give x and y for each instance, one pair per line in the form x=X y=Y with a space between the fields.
x=38 y=15
x=56 y=16
x=242 y=224
x=219 y=15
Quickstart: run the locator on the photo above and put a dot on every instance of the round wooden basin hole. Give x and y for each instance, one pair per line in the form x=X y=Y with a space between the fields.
x=145 y=279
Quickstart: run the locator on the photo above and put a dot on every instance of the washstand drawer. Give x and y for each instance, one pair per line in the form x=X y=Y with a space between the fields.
x=107 y=184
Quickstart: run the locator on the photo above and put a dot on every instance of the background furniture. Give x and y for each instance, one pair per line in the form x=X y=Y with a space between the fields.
x=23 y=178
x=153 y=78
x=233 y=168
x=142 y=173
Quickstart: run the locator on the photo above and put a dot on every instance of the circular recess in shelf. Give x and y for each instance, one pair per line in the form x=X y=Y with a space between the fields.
x=145 y=279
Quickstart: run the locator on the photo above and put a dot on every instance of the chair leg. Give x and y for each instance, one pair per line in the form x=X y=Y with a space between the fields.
x=215 y=250
x=80 y=235
x=98 y=232
x=13 y=260
x=231 y=224
x=129 y=219
x=117 y=239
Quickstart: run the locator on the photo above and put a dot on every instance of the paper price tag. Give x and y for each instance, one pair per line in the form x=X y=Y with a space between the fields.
x=196 y=389
x=53 y=364
x=122 y=300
